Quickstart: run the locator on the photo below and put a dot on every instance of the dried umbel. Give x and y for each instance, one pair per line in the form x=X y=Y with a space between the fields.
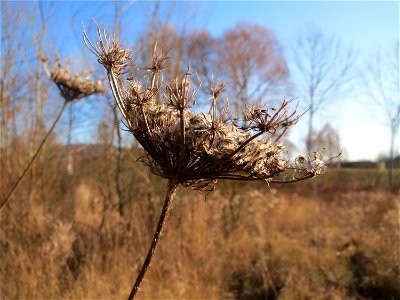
x=195 y=149
x=71 y=86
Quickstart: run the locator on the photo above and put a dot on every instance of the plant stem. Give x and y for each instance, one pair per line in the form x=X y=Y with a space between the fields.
x=5 y=200
x=244 y=144
x=172 y=186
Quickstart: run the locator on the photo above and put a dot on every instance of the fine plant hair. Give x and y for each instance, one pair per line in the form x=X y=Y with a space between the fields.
x=72 y=88
x=195 y=149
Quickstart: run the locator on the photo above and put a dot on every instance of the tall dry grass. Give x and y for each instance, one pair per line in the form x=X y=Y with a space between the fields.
x=241 y=242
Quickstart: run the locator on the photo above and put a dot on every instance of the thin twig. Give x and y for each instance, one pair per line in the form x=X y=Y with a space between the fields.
x=7 y=198
x=172 y=186
x=244 y=144
x=308 y=176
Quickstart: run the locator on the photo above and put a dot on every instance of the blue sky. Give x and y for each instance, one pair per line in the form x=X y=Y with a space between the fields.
x=368 y=26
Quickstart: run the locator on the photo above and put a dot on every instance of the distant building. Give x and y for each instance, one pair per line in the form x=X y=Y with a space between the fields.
x=359 y=164
x=396 y=162
x=381 y=164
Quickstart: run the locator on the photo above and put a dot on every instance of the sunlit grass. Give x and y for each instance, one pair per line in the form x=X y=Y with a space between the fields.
x=242 y=242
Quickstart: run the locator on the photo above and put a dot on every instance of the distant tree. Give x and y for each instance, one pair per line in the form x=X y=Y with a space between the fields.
x=41 y=87
x=118 y=14
x=201 y=53
x=247 y=55
x=328 y=140
x=383 y=84
x=251 y=59
x=323 y=67
x=12 y=48
x=170 y=37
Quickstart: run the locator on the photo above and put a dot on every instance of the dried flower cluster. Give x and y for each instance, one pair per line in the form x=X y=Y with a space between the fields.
x=196 y=149
x=314 y=165
x=59 y=247
x=72 y=87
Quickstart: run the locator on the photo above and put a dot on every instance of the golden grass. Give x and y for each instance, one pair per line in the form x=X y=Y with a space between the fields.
x=242 y=242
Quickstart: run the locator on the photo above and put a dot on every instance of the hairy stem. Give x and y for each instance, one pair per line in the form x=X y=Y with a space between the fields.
x=146 y=124
x=153 y=80
x=117 y=174
x=117 y=94
x=7 y=198
x=182 y=123
x=172 y=186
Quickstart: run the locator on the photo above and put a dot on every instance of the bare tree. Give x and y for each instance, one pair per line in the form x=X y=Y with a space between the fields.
x=324 y=68
x=247 y=55
x=200 y=51
x=250 y=58
x=40 y=86
x=14 y=94
x=383 y=84
x=327 y=139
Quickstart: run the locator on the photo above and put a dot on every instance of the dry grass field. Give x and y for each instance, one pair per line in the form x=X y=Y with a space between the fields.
x=335 y=237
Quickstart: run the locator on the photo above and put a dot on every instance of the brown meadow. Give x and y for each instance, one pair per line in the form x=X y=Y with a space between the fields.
x=329 y=238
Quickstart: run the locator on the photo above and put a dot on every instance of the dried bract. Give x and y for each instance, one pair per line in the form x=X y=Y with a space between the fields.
x=269 y=119
x=109 y=52
x=311 y=164
x=159 y=59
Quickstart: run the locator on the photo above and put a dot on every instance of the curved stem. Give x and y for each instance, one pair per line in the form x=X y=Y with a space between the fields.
x=7 y=198
x=309 y=176
x=172 y=186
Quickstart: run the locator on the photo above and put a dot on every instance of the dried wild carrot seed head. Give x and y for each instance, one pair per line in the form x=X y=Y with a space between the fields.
x=72 y=87
x=197 y=148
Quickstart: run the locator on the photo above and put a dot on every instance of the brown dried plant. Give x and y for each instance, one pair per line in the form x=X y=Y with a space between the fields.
x=195 y=149
x=72 y=87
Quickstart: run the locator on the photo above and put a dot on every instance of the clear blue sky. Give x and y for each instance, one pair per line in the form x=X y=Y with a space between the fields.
x=368 y=26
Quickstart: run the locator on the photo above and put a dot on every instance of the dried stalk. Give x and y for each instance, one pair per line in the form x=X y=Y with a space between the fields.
x=172 y=186
x=7 y=198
